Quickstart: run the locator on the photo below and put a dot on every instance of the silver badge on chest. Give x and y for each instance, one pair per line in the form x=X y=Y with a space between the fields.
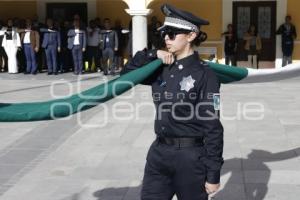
x=187 y=83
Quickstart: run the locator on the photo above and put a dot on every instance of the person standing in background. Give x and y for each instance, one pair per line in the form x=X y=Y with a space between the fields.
x=119 y=54
x=52 y=45
x=31 y=43
x=230 y=46
x=3 y=56
x=288 y=35
x=93 y=50
x=129 y=40
x=65 y=58
x=11 y=44
x=109 y=44
x=151 y=30
x=20 y=24
x=253 y=46
x=41 y=57
x=155 y=39
x=77 y=43
x=100 y=26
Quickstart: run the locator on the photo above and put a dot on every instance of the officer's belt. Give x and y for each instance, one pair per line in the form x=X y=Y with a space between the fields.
x=181 y=142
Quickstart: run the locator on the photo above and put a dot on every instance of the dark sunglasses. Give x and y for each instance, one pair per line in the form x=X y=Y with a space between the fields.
x=173 y=32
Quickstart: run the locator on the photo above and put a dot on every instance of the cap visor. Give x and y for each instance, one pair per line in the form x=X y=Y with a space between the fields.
x=162 y=28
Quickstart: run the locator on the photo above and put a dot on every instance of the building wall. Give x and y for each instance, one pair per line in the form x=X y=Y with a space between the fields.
x=114 y=10
x=207 y=9
x=20 y=9
x=293 y=10
x=42 y=5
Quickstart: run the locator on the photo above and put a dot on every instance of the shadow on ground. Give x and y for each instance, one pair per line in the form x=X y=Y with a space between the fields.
x=253 y=191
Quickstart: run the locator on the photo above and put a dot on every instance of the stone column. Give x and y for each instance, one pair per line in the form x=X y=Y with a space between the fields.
x=139 y=28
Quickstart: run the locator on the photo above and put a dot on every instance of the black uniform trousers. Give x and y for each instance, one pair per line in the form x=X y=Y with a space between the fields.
x=173 y=171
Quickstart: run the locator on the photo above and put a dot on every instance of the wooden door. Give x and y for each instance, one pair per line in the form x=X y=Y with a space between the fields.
x=261 y=14
x=66 y=11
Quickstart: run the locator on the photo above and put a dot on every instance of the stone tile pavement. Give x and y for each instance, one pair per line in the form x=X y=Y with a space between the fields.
x=81 y=159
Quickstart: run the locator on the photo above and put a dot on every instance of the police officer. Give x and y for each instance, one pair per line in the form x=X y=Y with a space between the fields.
x=186 y=158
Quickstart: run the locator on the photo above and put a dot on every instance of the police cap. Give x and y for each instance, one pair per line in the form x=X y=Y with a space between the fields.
x=181 y=19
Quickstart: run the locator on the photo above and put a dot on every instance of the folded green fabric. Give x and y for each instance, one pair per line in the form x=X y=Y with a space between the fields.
x=59 y=108
x=64 y=107
x=228 y=74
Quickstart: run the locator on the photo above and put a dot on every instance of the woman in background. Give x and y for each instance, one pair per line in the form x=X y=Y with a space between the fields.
x=253 y=46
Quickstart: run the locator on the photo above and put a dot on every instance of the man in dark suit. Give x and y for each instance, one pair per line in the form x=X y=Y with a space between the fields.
x=52 y=45
x=77 y=43
x=288 y=35
x=109 y=44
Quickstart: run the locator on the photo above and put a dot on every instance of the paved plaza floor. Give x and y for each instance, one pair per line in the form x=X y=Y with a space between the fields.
x=100 y=155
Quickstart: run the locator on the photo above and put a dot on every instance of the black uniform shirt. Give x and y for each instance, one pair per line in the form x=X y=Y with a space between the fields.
x=184 y=94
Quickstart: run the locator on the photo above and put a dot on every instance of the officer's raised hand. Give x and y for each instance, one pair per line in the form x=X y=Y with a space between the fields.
x=165 y=56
